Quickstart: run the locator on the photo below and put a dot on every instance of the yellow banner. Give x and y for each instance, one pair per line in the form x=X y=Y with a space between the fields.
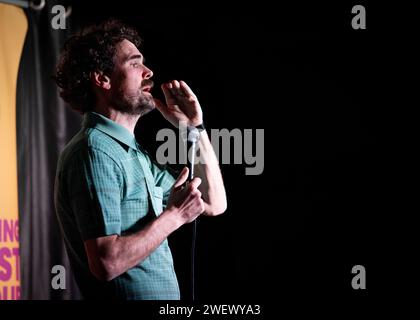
x=13 y=27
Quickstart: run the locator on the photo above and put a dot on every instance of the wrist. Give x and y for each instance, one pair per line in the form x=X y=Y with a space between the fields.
x=201 y=127
x=170 y=218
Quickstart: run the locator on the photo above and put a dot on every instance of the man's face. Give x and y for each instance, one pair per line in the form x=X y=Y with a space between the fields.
x=130 y=81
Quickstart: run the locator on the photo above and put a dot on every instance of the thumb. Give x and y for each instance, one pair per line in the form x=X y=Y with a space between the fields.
x=183 y=176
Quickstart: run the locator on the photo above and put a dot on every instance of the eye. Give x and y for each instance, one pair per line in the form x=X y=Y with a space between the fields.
x=135 y=64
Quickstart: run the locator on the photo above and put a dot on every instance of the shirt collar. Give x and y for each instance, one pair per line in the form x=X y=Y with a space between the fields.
x=109 y=127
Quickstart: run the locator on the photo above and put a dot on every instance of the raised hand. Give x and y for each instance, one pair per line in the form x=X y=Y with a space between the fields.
x=181 y=104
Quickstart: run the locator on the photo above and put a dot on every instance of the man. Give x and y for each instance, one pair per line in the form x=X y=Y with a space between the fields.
x=116 y=207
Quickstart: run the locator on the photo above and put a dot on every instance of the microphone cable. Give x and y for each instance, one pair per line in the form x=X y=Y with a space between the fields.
x=192 y=138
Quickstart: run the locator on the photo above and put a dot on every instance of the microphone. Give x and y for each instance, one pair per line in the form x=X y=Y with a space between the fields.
x=192 y=137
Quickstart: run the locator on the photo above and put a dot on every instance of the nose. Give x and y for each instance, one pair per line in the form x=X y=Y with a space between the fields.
x=147 y=73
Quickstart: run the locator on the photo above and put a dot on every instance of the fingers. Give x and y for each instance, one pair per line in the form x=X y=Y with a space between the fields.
x=193 y=185
x=175 y=89
x=186 y=89
x=167 y=92
x=175 y=84
x=183 y=176
x=178 y=89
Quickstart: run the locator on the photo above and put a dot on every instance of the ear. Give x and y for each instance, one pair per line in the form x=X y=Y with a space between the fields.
x=100 y=80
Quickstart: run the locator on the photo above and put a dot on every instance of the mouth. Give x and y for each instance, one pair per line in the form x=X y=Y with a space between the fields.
x=147 y=89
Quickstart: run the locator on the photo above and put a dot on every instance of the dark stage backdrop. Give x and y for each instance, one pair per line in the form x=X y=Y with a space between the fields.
x=298 y=228
x=44 y=126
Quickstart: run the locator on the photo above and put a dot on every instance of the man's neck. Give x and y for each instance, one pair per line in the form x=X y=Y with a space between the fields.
x=128 y=121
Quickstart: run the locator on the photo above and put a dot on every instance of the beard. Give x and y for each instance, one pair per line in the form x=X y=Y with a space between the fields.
x=139 y=103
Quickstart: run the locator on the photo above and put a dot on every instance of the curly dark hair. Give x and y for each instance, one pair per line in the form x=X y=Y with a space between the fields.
x=93 y=49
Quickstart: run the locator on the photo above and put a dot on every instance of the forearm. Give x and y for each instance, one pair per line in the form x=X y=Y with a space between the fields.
x=129 y=250
x=182 y=106
x=212 y=187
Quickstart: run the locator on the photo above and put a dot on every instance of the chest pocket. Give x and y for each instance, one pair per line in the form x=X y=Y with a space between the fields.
x=155 y=193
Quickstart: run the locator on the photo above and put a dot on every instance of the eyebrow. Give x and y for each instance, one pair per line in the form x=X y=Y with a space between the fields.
x=135 y=56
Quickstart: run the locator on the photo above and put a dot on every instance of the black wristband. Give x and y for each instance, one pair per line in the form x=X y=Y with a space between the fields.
x=200 y=127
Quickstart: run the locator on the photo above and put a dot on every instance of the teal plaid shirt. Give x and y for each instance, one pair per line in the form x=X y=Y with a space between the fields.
x=107 y=184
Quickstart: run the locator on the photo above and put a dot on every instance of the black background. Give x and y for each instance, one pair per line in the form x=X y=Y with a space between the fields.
x=306 y=78
x=316 y=87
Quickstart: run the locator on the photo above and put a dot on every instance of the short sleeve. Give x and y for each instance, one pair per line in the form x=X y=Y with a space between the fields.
x=94 y=184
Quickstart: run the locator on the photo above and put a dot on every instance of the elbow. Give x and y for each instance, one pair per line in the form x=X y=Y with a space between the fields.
x=221 y=209
x=103 y=260
x=217 y=210
x=104 y=271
